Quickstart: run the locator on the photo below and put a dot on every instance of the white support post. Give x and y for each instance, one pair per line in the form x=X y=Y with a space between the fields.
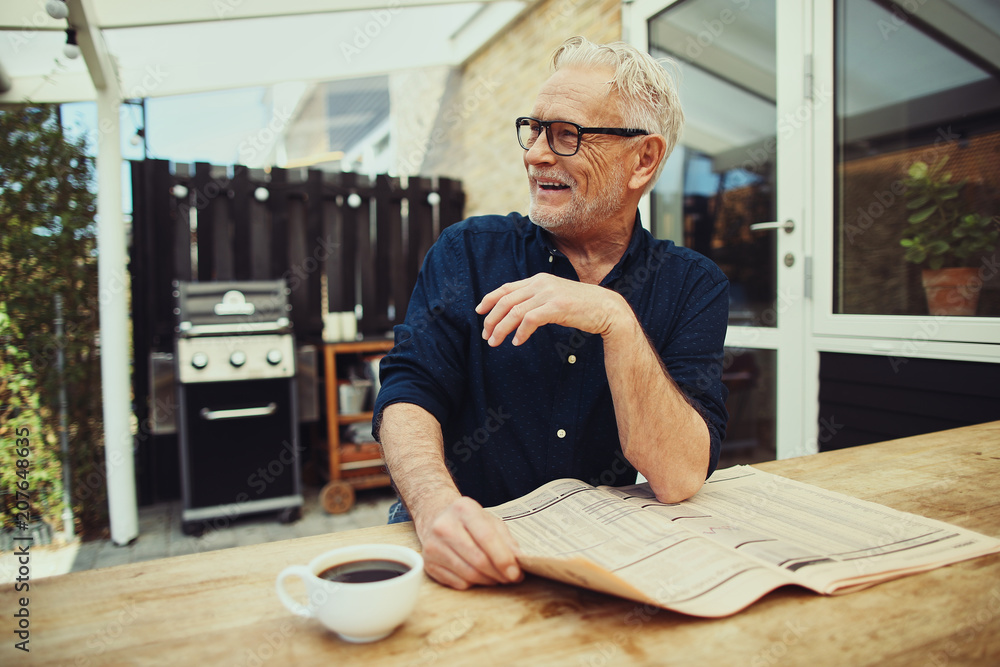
x=113 y=286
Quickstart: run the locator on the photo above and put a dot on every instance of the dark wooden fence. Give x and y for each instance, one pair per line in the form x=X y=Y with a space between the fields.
x=364 y=238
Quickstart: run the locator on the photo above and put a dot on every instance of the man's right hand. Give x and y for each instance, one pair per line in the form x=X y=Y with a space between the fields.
x=464 y=545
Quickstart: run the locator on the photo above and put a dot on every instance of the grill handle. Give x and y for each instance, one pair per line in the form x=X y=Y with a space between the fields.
x=278 y=326
x=212 y=415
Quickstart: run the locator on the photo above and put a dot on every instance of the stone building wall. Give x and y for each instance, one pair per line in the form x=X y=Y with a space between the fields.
x=473 y=137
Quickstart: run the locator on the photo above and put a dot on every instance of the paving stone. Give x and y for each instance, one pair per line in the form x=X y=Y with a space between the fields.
x=86 y=556
x=111 y=555
x=150 y=545
x=182 y=547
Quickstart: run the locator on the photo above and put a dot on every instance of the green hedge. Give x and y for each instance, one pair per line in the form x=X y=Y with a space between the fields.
x=48 y=246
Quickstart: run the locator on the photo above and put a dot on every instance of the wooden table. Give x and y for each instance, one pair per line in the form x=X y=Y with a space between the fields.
x=220 y=607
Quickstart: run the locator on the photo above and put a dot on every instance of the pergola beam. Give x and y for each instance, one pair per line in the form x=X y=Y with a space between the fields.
x=112 y=280
x=144 y=13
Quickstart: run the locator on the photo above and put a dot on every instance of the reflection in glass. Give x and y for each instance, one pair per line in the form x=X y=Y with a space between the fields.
x=720 y=179
x=750 y=435
x=934 y=95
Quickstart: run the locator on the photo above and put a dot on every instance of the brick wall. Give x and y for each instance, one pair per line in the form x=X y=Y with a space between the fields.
x=473 y=139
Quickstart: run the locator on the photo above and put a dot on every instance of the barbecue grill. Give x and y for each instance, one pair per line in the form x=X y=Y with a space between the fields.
x=238 y=413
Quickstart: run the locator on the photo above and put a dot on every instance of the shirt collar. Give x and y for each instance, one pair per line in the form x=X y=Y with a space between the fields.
x=635 y=245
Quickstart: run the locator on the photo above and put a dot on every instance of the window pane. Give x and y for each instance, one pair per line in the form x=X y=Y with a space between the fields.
x=720 y=178
x=750 y=377
x=911 y=88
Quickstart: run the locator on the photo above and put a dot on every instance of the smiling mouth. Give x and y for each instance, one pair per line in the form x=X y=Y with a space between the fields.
x=553 y=186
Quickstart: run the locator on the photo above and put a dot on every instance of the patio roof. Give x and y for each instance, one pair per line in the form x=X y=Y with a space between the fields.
x=148 y=48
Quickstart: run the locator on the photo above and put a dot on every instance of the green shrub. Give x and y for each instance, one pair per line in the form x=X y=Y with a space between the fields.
x=48 y=247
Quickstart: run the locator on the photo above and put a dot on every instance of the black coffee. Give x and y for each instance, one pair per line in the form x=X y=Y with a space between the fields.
x=364 y=571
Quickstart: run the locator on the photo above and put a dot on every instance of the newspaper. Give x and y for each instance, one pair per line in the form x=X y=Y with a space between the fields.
x=745 y=533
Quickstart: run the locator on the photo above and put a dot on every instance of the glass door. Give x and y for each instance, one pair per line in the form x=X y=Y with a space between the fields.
x=735 y=190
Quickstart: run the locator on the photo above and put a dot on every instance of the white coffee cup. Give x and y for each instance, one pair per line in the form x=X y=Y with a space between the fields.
x=358 y=612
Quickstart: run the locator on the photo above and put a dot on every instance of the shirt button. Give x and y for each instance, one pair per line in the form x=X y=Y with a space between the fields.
x=561 y=433
x=571 y=358
x=550 y=259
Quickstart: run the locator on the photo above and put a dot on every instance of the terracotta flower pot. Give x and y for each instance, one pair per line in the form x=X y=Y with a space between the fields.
x=953 y=291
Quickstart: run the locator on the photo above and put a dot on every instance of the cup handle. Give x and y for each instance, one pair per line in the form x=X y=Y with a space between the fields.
x=303 y=573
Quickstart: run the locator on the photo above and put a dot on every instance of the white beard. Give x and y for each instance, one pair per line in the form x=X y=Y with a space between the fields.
x=579 y=215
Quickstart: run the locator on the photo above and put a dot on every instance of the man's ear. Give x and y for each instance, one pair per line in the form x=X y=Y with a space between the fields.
x=646 y=160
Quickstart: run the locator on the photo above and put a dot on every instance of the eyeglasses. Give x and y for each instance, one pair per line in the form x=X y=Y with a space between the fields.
x=563 y=136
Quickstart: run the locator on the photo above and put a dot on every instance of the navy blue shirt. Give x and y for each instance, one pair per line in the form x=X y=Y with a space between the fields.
x=514 y=418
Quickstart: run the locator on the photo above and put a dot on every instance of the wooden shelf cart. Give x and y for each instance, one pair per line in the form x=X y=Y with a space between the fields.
x=349 y=470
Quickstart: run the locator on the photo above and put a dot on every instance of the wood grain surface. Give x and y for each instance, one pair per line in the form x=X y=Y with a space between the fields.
x=220 y=607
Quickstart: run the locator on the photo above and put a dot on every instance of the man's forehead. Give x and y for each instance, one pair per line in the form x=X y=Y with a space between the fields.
x=577 y=94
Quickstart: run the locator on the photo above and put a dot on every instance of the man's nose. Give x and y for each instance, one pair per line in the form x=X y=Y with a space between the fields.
x=540 y=151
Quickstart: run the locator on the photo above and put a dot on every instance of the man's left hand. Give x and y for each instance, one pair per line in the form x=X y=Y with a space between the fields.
x=523 y=306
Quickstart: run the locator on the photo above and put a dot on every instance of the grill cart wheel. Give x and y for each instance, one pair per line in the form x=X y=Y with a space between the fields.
x=337 y=497
x=290 y=515
x=193 y=528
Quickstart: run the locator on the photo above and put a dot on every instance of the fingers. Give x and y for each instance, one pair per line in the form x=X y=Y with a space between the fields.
x=465 y=546
x=490 y=300
x=520 y=307
x=496 y=543
x=521 y=318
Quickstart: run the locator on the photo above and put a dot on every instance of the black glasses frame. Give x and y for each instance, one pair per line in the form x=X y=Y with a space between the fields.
x=544 y=126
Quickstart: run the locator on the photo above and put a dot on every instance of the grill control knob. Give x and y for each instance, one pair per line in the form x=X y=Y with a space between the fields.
x=238 y=358
x=199 y=360
x=274 y=357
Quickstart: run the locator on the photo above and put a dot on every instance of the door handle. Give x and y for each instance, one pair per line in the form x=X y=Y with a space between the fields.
x=212 y=415
x=787 y=225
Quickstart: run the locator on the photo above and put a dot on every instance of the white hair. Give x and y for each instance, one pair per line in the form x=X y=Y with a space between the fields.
x=647 y=93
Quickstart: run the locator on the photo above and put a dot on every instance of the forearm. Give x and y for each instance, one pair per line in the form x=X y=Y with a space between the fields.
x=661 y=433
x=463 y=545
x=413 y=450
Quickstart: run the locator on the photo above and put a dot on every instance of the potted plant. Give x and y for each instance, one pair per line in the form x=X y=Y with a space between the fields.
x=945 y=237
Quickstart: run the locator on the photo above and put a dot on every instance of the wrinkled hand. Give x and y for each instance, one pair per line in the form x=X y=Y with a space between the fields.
x=464 y=545
x=525 y=305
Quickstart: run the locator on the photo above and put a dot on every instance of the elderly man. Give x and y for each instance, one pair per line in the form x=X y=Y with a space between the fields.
x=614 y=358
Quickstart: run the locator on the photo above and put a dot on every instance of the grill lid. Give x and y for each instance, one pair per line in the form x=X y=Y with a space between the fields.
x=232 y=307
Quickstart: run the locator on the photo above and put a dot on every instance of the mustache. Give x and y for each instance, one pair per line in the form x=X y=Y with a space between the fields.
x=551 y=175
